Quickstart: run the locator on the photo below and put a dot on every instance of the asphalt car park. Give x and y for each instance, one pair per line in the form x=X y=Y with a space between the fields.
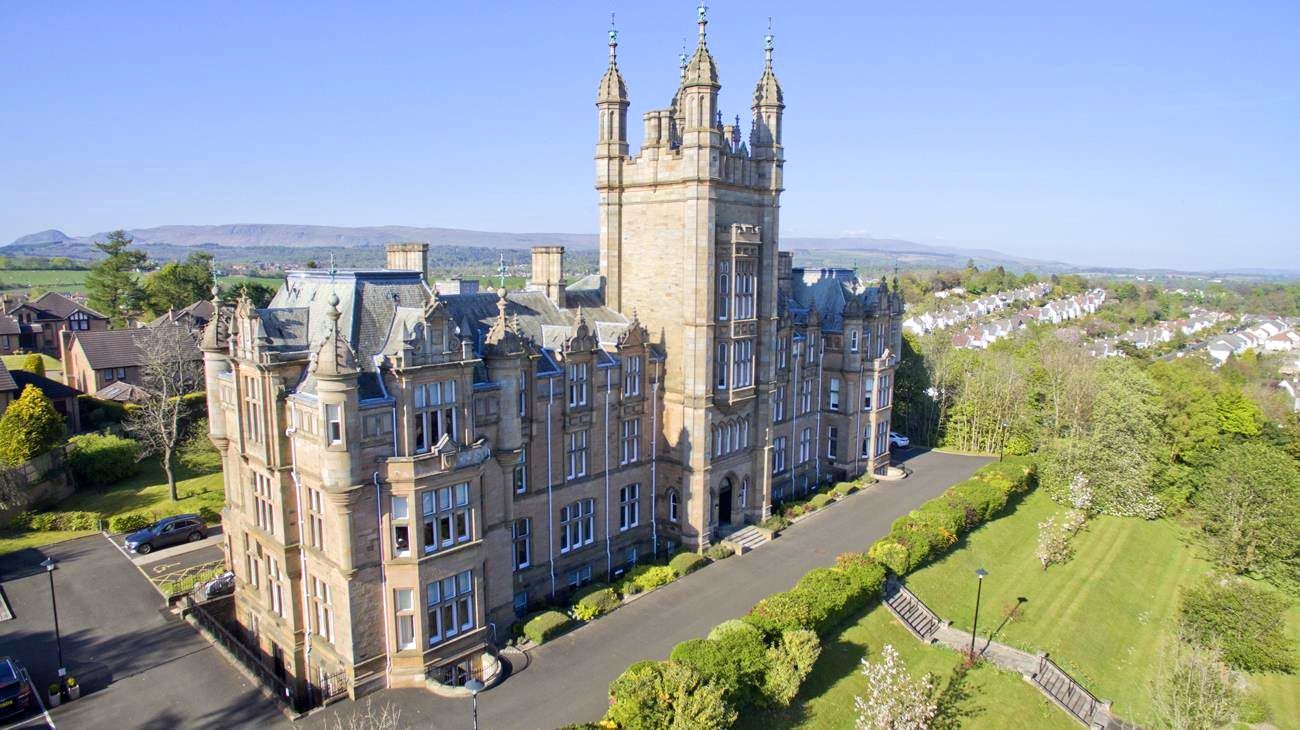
x=175 y=562
x=138 y=664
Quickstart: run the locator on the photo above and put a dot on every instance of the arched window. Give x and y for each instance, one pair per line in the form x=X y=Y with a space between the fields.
x=673 y=505
x=744 y=492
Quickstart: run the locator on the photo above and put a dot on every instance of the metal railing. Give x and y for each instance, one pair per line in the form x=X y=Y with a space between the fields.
x=182 y=581
x=250 y=659
x=1067 y=692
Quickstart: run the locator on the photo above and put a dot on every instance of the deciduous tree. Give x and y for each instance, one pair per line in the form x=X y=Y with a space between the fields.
x=894 y=700
x=168 y=370
x=1250 y=504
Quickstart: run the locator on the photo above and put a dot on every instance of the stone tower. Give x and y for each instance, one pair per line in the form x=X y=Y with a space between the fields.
x=688 y=239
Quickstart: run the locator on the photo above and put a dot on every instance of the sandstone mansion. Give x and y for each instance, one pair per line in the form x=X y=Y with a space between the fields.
x=408 y=469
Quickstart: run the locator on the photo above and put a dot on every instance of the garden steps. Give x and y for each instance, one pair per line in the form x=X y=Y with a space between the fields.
x=746 y=539
x=910 y=611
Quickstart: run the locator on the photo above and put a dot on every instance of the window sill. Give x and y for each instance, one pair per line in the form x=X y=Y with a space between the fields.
x=442 y=552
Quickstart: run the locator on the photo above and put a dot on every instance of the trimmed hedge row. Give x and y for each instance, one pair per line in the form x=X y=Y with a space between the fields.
x=594 y=601
x=762 y=659
x=687 y=563
x=55 y=521
x=541 y=627
x=98 y=460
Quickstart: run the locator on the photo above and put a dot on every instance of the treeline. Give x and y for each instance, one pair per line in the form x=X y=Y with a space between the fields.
x=41 y=263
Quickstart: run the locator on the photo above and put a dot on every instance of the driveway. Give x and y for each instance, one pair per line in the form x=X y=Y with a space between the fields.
x=139 y=665
x=566 y=680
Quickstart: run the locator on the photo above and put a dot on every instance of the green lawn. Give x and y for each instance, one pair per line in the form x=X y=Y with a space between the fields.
x=53 y=368
x=1103 y=616
x=984 y=697
x=43 y=278
x=144 y=492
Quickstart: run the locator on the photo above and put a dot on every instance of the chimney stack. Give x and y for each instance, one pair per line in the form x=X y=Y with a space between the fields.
x=408 y=257
x=548 y=273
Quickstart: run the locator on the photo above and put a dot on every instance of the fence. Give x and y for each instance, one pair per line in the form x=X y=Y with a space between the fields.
x=183 y=581
x=248 y=658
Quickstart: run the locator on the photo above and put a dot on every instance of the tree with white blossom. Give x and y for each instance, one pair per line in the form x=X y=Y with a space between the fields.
x=894 y=700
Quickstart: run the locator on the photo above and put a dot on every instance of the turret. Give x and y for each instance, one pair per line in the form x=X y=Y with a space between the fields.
x=699 y=93
x=611 y=106
x=768 y=105
x=335 y=369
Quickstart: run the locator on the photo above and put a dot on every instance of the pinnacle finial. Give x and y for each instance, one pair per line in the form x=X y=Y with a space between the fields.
x=682 y=58
x=768 y=41
x=703 y=11
x=613 y=39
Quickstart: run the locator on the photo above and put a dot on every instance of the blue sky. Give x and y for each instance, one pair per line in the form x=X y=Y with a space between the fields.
x=1124 y=133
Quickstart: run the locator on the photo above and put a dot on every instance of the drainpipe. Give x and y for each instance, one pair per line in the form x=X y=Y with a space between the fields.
x=798 y=397
x=550 y=506
x=383 y=580
x=817 y=435
x=609 y=555
x=302 y=553
x=654 y=461
x=857 y=408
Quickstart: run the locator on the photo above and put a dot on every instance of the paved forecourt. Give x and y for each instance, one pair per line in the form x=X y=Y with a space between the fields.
x=566 y=680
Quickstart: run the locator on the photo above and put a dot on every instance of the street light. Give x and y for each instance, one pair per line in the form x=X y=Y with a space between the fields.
x=980 y=573
x=474 y=686
x=49 y=564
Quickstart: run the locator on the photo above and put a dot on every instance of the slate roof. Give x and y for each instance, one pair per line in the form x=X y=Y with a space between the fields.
x=9 y=325
x=197 y=314
x=122 y=392
x=52 y=305
x=53 y=389
x=114 y=348
x=6 y=379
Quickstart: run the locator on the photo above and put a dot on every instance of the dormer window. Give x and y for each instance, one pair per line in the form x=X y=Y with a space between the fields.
x=579 y=375
x=434 y=414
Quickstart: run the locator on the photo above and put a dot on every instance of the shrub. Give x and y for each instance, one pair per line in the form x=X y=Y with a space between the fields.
x=687 y=563
x=542 y=627
x=98 y=460
x=210 y=515
x=789 y=662
x=77 y=520
x=719 y=552
x=1018 y=445
x=29 y=427
x=736 y=662
x=129 y=522
x=629 y=587
x=594 y=601
x=889 y=554
x=731 y=626
x=775 y=523
x=819 y=501
x=650 y=577
x=831 y=596
x=780 y=612
x=97 y=413
x=660 y=695
x=865 y=574
x=34 y=363
x=1246 y=622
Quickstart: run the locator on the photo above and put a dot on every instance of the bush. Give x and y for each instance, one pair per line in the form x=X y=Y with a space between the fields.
x=595 y=601
x=55 y=521
x=819 y=501
x=542 y=627
x=780 y=612
x=660 y=695
x=830 y=595
x=629 y=587
x=650 y=577
x=731 y=626
x=196 y=452
x=1247 y=623
x=789 y=662
x=97 y=413
x=210 y=515
x=687 y=563
x=736 y=662
x=889 y=554
x=98 y=460
x=34 y=363
x=719 y=552
x=863 y=572
x=775 y=523
x=29 y=427
x=129 y=522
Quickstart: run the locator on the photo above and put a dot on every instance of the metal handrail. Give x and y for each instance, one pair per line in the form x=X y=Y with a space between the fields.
x=1044 y=664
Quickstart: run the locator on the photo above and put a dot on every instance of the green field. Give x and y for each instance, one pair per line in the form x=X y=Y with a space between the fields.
x=75 y=281
x=983 y=697
x=1103 y=616
x=144 y=492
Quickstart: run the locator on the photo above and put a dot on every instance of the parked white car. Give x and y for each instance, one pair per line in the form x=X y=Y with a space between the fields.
x=899 y=440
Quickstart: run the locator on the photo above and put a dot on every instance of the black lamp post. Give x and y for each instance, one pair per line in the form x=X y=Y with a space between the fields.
x=49 y=564
x=474 y=686
x=980 y=573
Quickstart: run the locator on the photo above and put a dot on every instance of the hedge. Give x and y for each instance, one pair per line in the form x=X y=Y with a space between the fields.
x=129 y=522
x=719 y=552
x=820 y=500
x=56 y=521
x=687 y=563
x=98 y=460
x=786 y=625
x=544 y=626
x=649 y=577
x=594 y=601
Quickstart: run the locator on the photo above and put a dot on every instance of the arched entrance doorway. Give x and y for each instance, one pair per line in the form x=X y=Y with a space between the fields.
x=724 y=502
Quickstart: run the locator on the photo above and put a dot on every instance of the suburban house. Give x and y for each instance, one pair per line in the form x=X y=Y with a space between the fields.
x=42 y=321
x=12 y=383
x=982 y=334
x=93 y=361
x=194 y=317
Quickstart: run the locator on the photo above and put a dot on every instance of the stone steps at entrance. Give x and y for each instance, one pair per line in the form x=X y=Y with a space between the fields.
x=745 y=539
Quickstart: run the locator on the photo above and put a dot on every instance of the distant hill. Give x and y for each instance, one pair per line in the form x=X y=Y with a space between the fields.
x=269 y=241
